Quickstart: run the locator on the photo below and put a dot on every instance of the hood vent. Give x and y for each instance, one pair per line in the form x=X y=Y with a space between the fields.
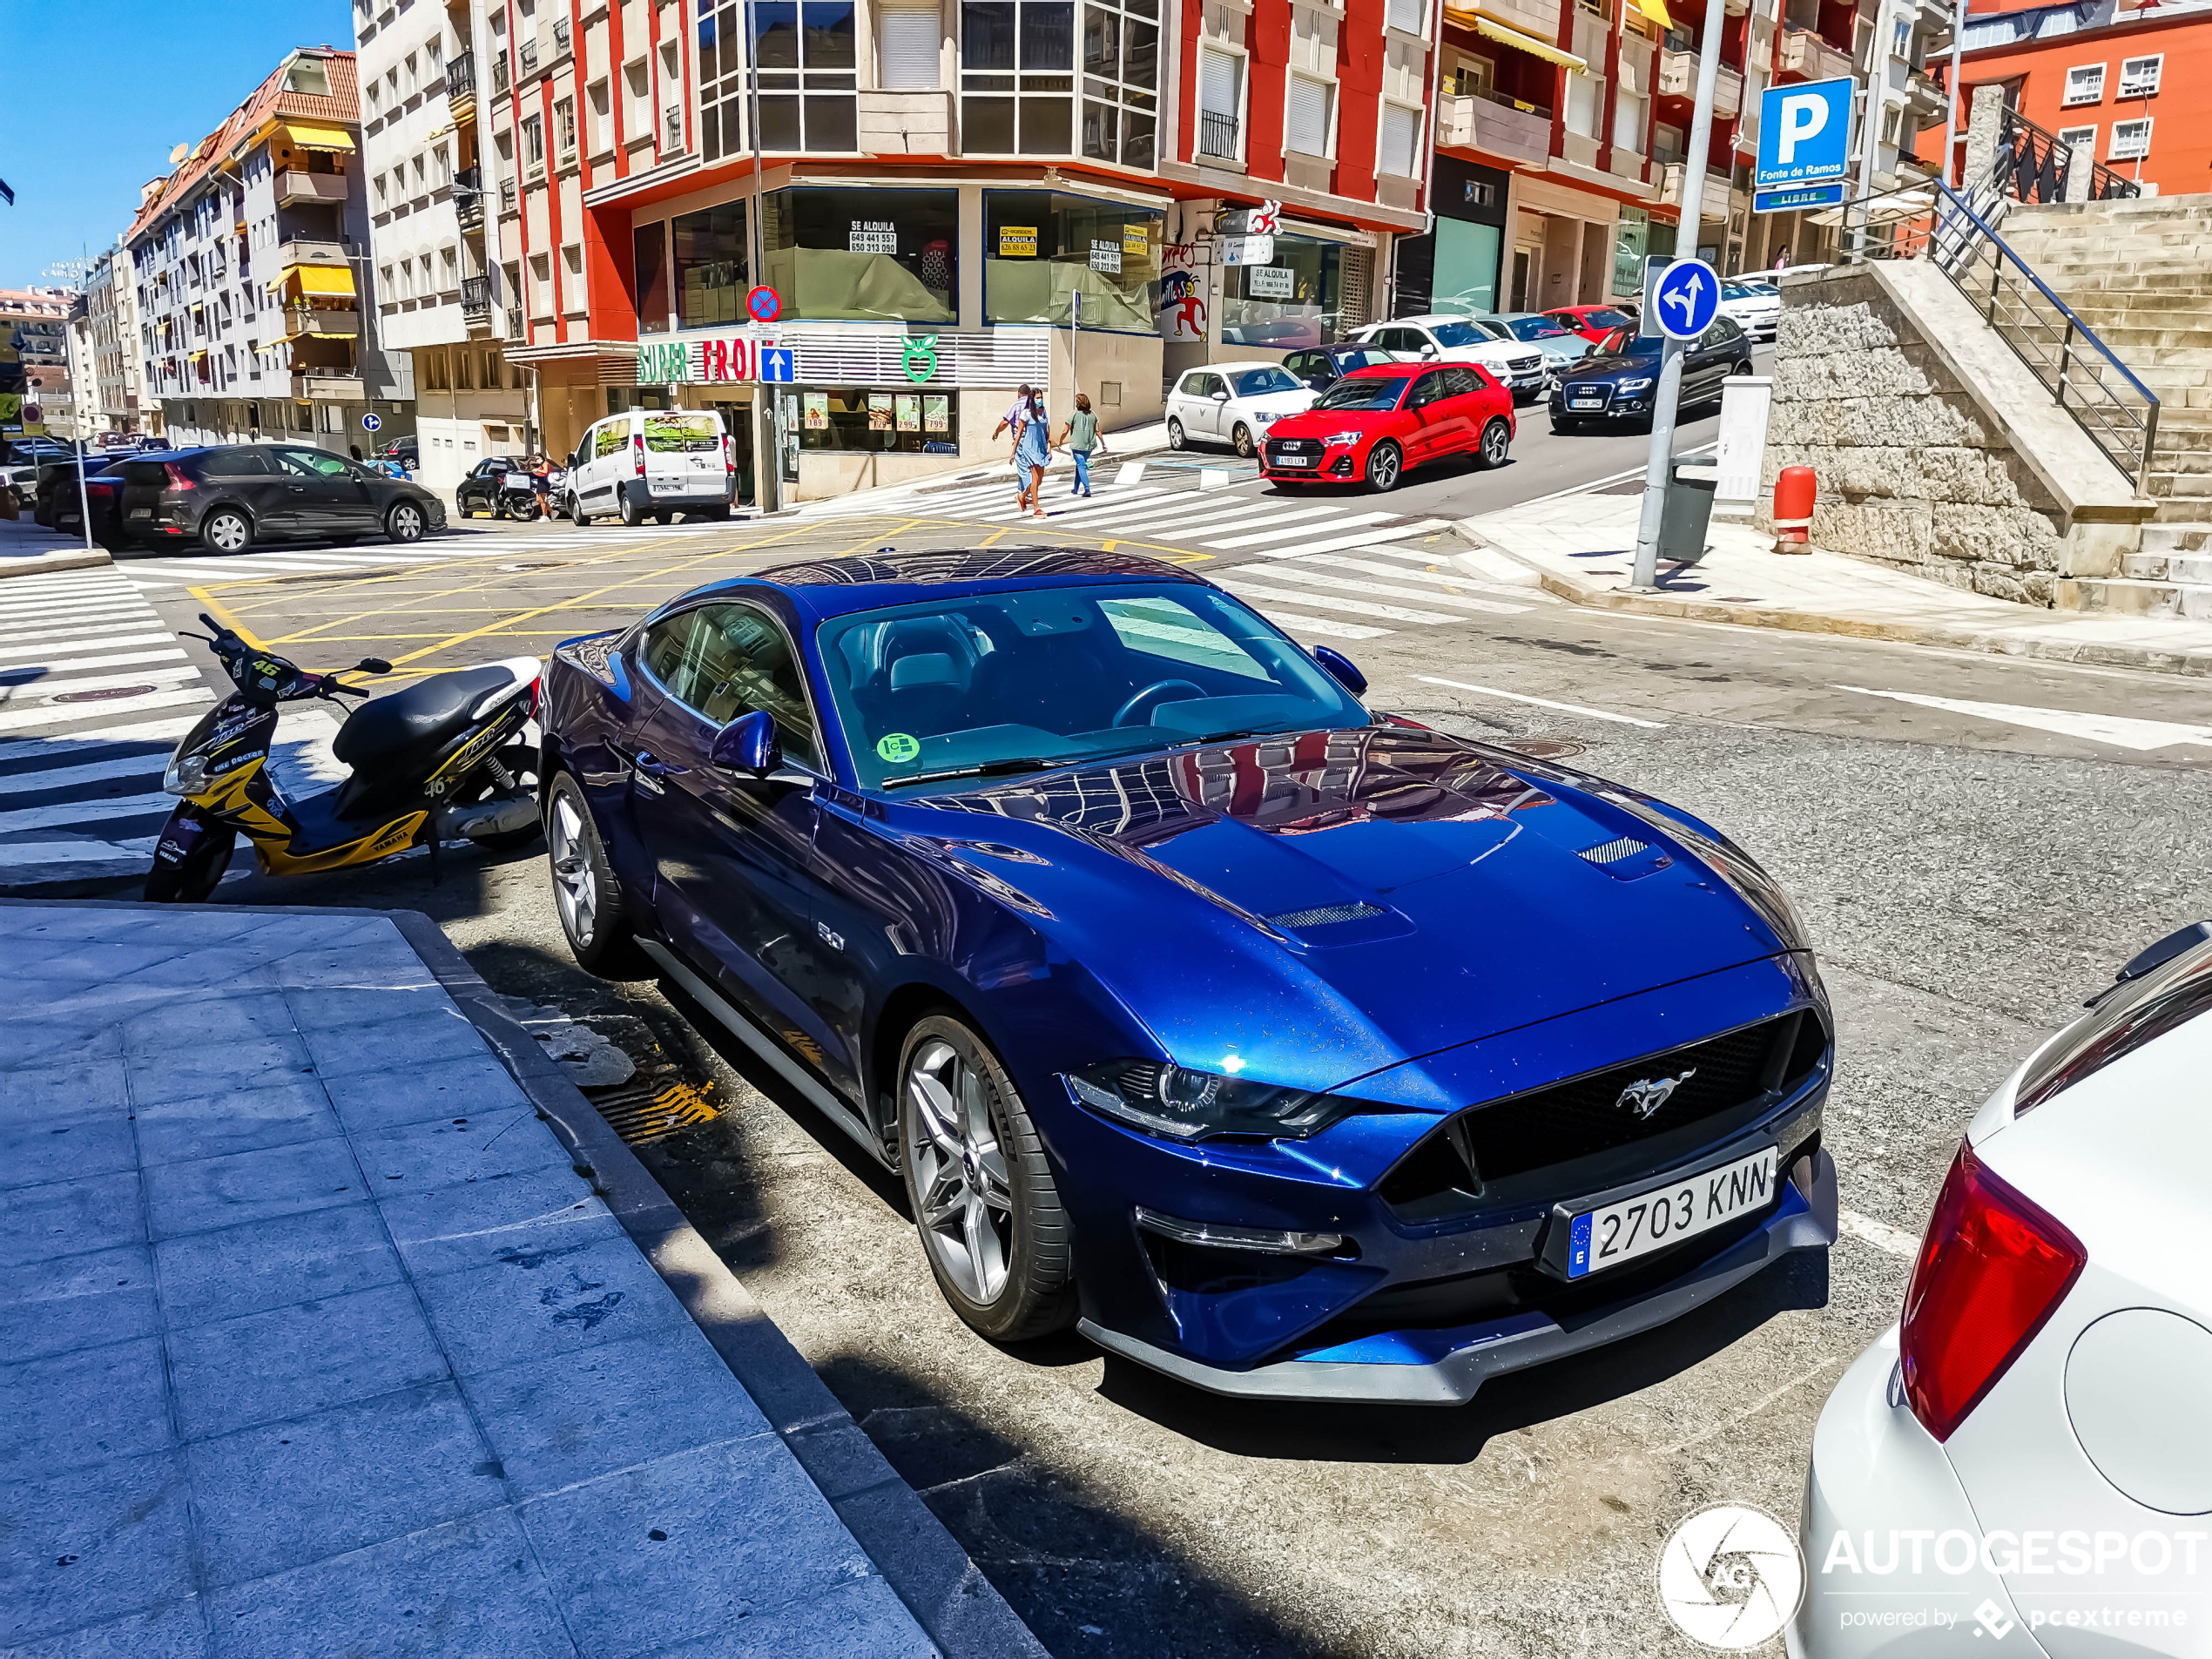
x=1612 y=851
x=1327 y=916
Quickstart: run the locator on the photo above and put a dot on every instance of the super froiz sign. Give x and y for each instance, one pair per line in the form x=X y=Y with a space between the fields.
x=701 y=362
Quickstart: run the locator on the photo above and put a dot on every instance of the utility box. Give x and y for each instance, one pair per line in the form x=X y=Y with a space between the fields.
x=1688 y=515
x=1745 y=400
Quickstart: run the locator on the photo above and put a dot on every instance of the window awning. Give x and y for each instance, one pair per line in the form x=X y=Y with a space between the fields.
x=1492 y=30
x=336 y=280
x=313 y=138
x=198 y=356
x=1657 y=11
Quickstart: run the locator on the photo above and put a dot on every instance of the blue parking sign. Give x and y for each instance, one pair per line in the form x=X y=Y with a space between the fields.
x=1804 y=133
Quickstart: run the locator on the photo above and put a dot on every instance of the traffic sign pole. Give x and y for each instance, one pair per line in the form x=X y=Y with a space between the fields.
x=1667 y=393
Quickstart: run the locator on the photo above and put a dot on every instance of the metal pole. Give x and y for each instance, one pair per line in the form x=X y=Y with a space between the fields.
x=767 y=445
x=1870 y=149
x=1951 y=116
x=1668 y=394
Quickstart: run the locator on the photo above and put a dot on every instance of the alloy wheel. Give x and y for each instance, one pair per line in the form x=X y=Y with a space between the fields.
x=1243 y=440
x=406 y=523
x=1382 y=466
x=959 y=1174
x=1175 y=434
x=1494 y=444
x=226 y=533
x=575 y=891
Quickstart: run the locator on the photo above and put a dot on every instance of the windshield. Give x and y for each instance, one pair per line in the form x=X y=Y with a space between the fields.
x=1015 y=682
x=676 y=434
x=1259 y=382
x=1605 y=317
x=1458 y=333
x=1363 y=392
x=1744 y=291
x=1534 y=328
x=1620 y=340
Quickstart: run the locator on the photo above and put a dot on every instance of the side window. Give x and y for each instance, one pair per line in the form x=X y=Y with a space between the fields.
x=610 y=439
x=1194 y=385
x=310 y=463
x=1300 y=363
x=1428 y=390
x=1462 y=381
x=238 y=463
x=739 y=660
x=661 y=653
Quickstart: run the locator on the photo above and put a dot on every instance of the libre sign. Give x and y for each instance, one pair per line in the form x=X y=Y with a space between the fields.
x=1804 y=134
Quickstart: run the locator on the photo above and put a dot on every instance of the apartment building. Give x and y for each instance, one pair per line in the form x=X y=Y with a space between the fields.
x=34 y=361
x=111 y=344
x=947 y=200
x=440 y=290
x=2107 y=76
x=251 y=275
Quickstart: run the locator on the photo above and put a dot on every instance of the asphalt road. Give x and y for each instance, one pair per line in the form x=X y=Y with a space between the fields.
x=1967 y=879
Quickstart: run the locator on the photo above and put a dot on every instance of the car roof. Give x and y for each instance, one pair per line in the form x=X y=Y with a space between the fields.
x=821 y=588
x=1241 y=364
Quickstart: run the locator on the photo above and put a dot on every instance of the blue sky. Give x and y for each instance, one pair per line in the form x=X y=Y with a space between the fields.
x=97 y=95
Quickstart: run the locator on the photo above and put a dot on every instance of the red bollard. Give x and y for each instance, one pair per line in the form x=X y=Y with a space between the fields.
x=1793 y=498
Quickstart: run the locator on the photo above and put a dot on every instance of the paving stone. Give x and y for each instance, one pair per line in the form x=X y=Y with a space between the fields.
x=281 y=1112
x=443 y=1152
x=283 y=1494
x=62 y=1144
x=83 y=1406
x=466 y=1088
x=79 y=1302
x=74 y=1085
x=540 y=1301
x=90 y=1546
x=249 y=1186
x=490 y=1222
x=859 y=1620
x=422 y=1038
x=263 y=1264
x=71 y=1217
x=171 y=1630
x=291 y=1361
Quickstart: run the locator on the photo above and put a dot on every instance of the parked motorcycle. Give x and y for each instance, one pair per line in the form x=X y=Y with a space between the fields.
x=518 y=498
x=439 y=759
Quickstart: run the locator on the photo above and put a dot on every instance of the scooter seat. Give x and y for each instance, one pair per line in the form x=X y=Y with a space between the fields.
x=422 y=716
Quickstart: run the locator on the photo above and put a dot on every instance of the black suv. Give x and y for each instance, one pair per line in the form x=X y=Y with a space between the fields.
x=229 y=497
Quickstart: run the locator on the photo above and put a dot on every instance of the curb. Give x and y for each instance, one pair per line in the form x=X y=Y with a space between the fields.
x=40 y=564
x=925 y=1565
x=1994 y=642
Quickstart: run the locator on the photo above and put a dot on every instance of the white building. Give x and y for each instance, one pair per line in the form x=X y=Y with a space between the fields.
x=436 y=276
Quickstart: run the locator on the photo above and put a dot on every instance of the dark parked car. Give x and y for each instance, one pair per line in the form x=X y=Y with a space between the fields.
x=229 y=497
x=1293 y=1048
x=407 y=451
x=1617 y=380
x=1320 y=367
x=61 y=505
x=479 y=491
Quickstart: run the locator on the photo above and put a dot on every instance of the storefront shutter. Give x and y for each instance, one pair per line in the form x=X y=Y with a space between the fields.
x=910 y=47
x=1305 y=116
x=1216 y=82
x=1399 y=125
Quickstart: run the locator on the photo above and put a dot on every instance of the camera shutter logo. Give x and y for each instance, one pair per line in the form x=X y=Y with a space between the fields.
x=1730 y=1577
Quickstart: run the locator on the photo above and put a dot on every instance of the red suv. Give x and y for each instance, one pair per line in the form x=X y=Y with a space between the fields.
x=1374 y=423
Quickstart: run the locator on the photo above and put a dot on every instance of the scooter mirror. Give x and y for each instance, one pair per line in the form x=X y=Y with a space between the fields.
x=374 y=665
x=747 y=743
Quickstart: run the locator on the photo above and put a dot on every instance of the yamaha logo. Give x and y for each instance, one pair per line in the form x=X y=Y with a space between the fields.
x=1647 y=1095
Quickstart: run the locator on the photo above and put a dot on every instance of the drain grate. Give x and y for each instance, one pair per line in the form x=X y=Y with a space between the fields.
x=106 y=694
x=640 y=1113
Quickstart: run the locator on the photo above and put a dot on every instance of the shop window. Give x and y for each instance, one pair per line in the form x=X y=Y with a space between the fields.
x=1296 y=299
x=1041 y=248
x=913 y=422
x=864 y=255
x=649 y=263
x=1017 y=79
x=1120 y=80
x=713 y=266
x=804 y=52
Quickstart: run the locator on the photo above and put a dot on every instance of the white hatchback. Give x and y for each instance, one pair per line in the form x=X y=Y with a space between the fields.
x=1233 y=404
x=652 y=463
x=2028 y=1453
x=1519 y=366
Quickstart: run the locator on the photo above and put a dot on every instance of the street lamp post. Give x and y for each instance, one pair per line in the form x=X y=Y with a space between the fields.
x=1668 y=394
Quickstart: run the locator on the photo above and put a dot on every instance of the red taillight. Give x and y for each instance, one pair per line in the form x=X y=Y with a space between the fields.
x=638 y=452
x=537 y=691
x=176 y=478
x=1992 y=1267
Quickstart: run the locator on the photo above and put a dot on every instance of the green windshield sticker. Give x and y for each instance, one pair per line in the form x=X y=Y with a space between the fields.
x=897 y=747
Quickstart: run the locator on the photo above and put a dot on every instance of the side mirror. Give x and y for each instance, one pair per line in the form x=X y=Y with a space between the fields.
x=372 y=665
x=1221 y=397
x=1341 y=671
x=747 y=743
x=1428 y=348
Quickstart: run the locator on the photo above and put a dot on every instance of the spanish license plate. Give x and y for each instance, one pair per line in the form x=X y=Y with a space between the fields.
x=1620 y=1232
x=142 y=512
x=1294 y=461
x=671 y=486
x=1585 y=403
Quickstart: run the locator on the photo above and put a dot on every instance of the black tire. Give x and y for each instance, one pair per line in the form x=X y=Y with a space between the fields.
x=406 y=522
x=663 y=518
x=632 y=514
x=715 y=514
x=227 y=530
x=578 y=516
x=1176 y=440
x=1497 y=444
x=1386 y=466
x=1242 y=438
x=1024 y=1286
x=192 y=878
x=599 y=930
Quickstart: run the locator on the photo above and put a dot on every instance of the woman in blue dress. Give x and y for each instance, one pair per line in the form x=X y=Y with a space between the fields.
x=1031 y=454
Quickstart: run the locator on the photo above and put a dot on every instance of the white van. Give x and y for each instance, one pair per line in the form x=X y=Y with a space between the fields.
x=653 y=464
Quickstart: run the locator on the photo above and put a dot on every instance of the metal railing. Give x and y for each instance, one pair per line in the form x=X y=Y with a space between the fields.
x=1216 y=134
x=468 y=198
x=499 y=71
x=475 y=296
x=2033 y=166
x=2106 y=398
x=528 y=57
x=461 y=75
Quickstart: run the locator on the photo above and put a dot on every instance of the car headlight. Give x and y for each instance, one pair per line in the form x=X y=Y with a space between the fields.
x=1185 y=1105
x=1344 y=437
x=1643 y=385
x=185 y=775
x=1264 y=417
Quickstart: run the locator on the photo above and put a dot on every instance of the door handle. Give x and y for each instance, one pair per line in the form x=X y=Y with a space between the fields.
x=297 y=490
x=650 y=770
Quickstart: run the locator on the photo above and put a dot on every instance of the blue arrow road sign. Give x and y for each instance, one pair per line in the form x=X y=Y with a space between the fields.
x=776 y=363
x=1687 y=298
x=371 y=421
x=1804 y=133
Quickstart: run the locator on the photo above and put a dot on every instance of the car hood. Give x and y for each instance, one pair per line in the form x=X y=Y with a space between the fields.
x=1597 y=368
x=1279 y=403
x=1314 y=423
x=1339 y=902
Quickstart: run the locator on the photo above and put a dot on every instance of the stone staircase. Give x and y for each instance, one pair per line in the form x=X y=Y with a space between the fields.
x=2139 y=274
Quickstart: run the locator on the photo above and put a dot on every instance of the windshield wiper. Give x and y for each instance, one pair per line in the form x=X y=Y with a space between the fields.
x=989 y=769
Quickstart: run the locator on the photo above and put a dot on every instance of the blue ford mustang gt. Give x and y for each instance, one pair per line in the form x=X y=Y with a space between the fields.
x=1295 y=1051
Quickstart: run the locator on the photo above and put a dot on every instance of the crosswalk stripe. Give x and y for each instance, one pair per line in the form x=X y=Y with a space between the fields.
x=1110 y=501
x=68 y=683
x=45 y=672
x=1322 y=579
x=1328 y=601
x=102 y=641
x=25 y=858
x=22 y=588
x=1525 y=596
x=64 y=635
x=1276 y=535
x=83 y=812
x=1214 y=519
x=23 y=719
x=144 y=732
x=119 y=600
x=1328 y=628
x=1364 y=539
x=151 y=764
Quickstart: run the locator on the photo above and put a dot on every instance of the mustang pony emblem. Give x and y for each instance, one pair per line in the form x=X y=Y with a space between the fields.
x=1647 y=1095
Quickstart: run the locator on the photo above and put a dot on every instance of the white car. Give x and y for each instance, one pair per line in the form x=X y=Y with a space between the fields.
x=652 y=463
x=1518 y=367
x=1233 y=404
x=2023 y=1464
x=1753 y=304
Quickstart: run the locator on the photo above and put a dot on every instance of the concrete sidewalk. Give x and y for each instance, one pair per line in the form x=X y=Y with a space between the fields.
x=317 y=1337
x=25 y=549
x=1582 y=547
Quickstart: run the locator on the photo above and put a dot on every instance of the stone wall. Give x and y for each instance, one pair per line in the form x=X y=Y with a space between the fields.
x=1912 y=473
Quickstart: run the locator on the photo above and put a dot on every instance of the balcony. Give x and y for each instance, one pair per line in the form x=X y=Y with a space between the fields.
x=1217 y=135
x=1806 y=57
x=1495 y=125
x=476 y=299
x=529 y=58
x=461 y=86
x=330 y=388
x=507 y=199
x=468 y=198
x=1715 y=205
x=891 y=124
x=304 y=321
x=295 y=189
x=1678 y=78
x=1924 y=98
x=306 y=250
x=499 y=75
